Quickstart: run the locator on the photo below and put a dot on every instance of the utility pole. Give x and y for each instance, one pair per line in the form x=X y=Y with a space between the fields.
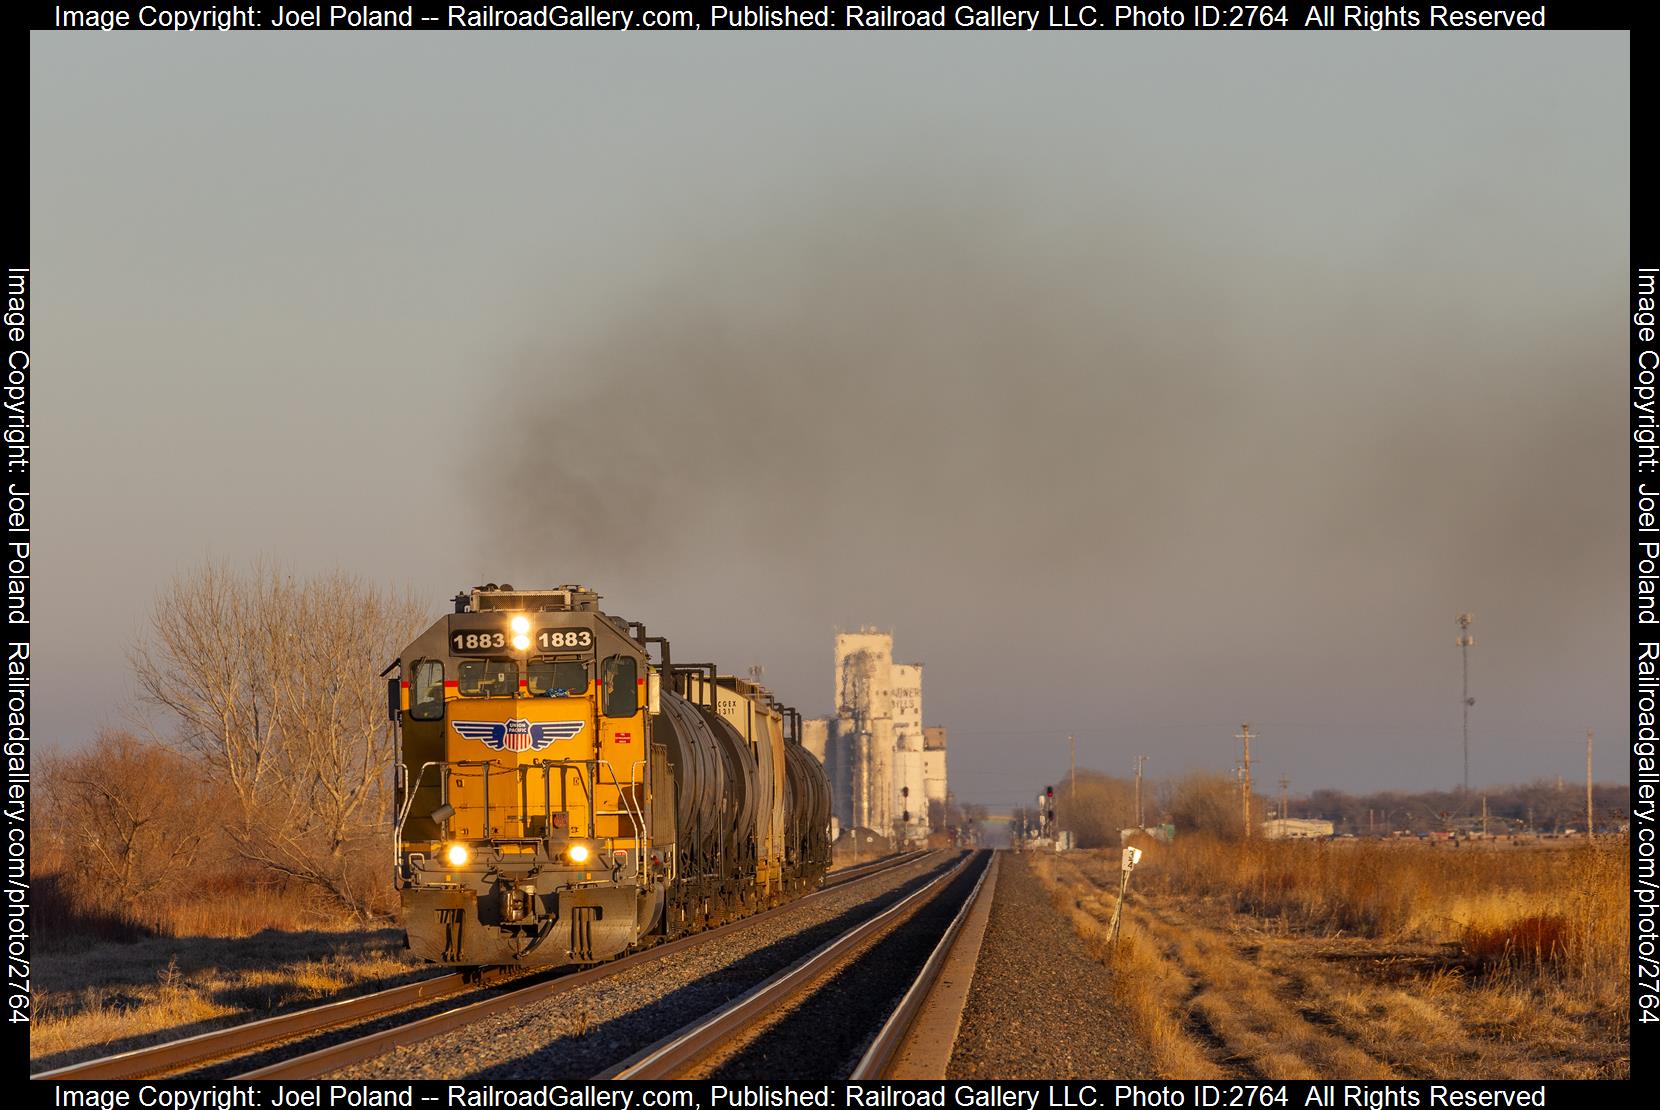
x=1285 y=799
x=1465 y=643
x=1072 y=790
x=1484 y=817
x=1590 y=828
x=1140 y=821
x=1245 y=776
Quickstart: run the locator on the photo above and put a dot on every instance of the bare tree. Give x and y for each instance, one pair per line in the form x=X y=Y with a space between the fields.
x=130 y=816
x=272 y=680
x=1104 y=806
x=1204 y=803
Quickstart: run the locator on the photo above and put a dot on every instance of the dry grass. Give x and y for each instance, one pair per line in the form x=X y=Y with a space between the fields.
x=112 y=978
x=1309 y=960
x=1151 y=990
x=113 y=997
x=1560 y=912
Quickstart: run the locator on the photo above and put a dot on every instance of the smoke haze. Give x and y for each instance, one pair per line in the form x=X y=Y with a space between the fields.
x=1142 y=384
x=1097 y=473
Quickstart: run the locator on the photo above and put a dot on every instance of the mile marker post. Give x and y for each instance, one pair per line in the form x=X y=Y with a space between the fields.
x=1132 y=856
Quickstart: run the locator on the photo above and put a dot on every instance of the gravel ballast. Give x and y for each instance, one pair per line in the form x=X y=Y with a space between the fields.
x=826 y=1034
x=575 y=1035
x=1040 y=1007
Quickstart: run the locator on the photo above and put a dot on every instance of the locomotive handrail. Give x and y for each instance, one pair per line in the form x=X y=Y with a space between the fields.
x=586 y=783
x=409 y=804
x=492 y=767
x=638 y=821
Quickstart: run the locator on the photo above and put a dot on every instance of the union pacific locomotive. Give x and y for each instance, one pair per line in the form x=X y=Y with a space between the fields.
x=561 y=797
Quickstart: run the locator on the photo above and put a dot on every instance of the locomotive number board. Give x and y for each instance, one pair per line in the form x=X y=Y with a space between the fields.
x=564 y=639
x=484 y=641
x=477 y=641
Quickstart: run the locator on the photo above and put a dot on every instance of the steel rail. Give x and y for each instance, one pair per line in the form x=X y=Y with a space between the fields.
x=240 y=1038
x=860 y=870
x=681 y=1048
x=224 y=1042
x=874 y=1063
x=349 y=1052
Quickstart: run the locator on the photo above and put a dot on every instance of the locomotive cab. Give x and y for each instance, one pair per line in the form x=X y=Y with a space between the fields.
x=523 y=793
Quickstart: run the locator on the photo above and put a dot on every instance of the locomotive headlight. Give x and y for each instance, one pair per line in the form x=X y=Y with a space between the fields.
x=577 y=853
x=457 y=855
x=520 y=626
x=521 y=643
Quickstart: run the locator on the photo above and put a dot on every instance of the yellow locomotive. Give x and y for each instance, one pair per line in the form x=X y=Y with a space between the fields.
x=562 y=798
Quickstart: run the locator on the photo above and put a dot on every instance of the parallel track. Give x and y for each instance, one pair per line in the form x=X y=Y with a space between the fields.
x=242 y=1039
x=879 y=1057
x=683 y=1050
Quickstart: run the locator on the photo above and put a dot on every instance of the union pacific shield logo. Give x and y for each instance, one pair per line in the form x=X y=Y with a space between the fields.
x=517 y=734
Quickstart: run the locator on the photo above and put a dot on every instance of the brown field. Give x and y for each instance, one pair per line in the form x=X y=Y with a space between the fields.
x=1367 y=959
x=108 y=979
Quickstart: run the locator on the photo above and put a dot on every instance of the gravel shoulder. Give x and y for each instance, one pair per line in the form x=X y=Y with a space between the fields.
x=1040 y=1007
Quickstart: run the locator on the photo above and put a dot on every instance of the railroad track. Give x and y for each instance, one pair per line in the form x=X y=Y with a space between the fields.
x=709 y=1044
x=250 y=1037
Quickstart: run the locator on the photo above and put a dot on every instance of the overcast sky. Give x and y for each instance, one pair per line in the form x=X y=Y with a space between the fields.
x=1142 y=384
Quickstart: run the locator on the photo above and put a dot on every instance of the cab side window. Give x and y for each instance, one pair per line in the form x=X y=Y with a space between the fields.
x=426 y=693
x=619 y=674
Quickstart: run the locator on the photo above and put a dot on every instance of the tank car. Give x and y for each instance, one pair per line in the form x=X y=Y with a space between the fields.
x=563 y=798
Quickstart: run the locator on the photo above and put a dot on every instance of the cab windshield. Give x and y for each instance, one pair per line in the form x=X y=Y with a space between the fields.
x=565 y=678
x=487 y=678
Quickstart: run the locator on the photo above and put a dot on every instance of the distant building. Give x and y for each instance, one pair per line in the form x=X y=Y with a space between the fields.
x=884 y=765
x=1164 y=834
x=1293 y=828
x=933 y=768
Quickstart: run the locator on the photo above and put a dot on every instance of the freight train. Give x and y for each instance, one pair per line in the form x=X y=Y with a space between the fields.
x=563 y=798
